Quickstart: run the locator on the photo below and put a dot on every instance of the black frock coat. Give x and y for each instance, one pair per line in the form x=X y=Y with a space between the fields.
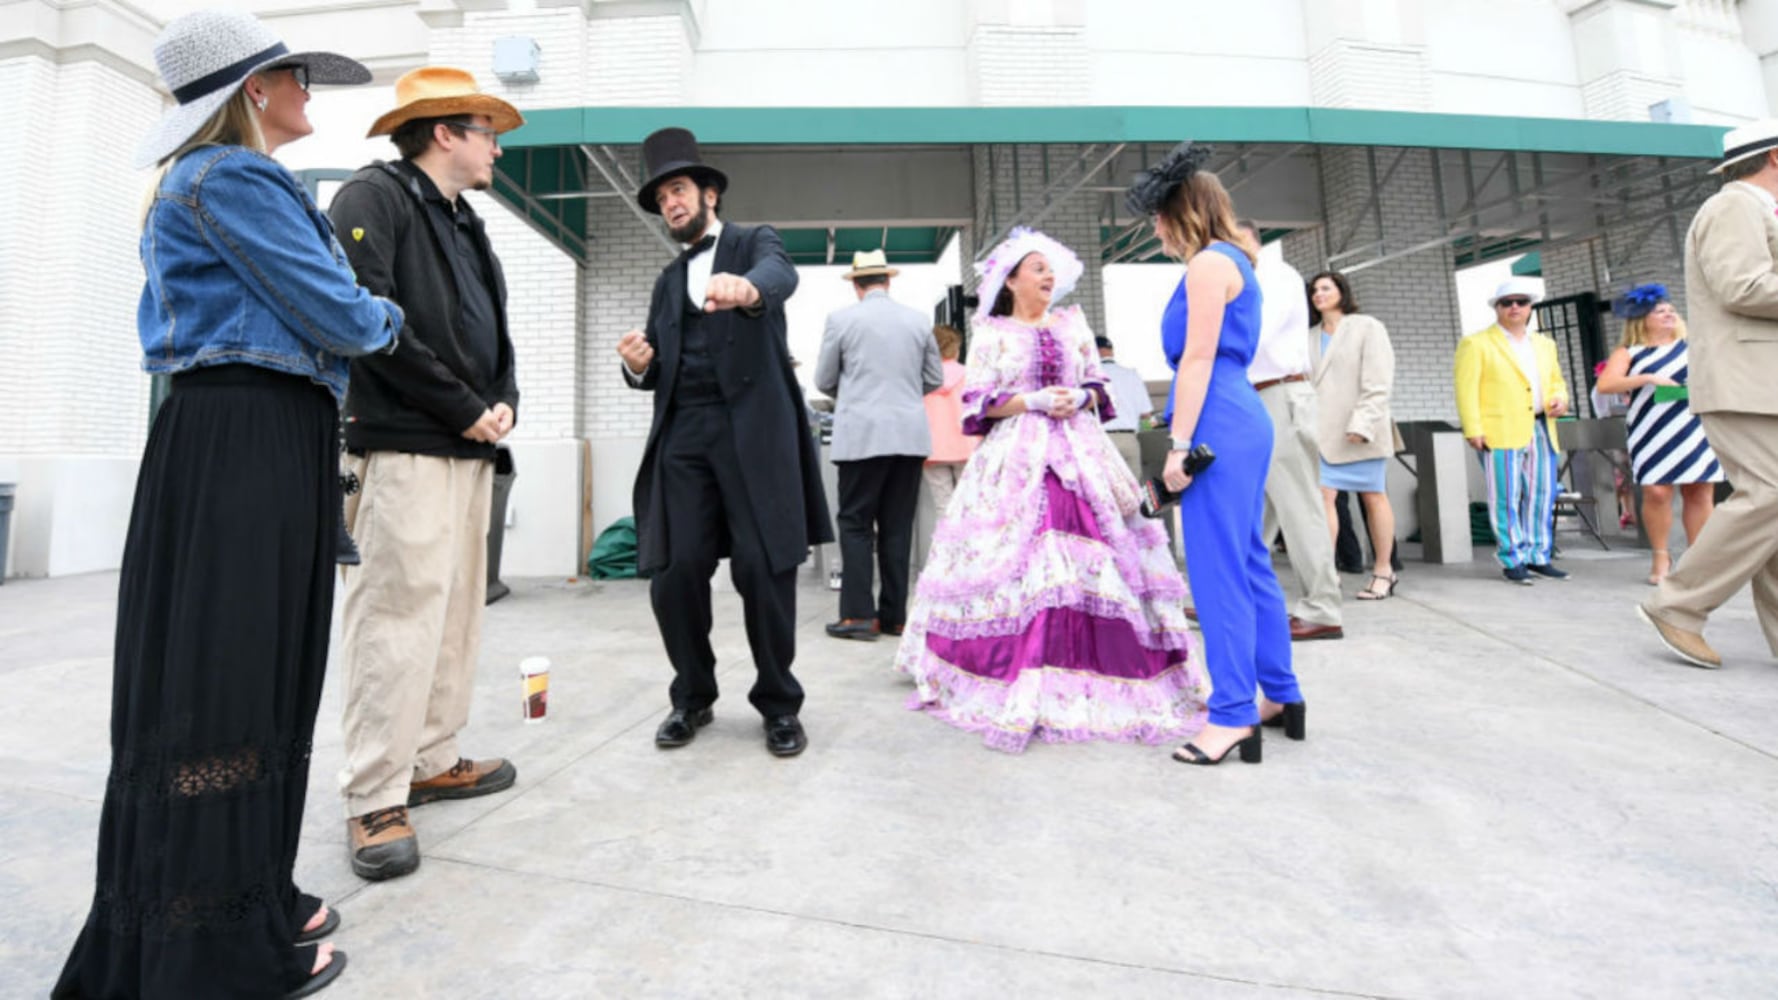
x=779 y=460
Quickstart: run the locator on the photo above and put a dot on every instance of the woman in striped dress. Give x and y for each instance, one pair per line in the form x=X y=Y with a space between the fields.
x=1667 y=444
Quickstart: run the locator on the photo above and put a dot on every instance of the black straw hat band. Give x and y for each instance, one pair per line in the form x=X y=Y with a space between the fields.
x=211 y=82
x=1751 y=147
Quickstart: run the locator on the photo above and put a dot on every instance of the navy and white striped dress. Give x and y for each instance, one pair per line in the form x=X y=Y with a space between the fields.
x=1667 y=442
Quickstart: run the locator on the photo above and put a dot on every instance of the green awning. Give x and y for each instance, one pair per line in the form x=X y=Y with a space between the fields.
x=1529 y=266
x=951 y=126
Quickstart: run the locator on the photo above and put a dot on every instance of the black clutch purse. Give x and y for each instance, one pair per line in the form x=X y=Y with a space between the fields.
x=1156 y=498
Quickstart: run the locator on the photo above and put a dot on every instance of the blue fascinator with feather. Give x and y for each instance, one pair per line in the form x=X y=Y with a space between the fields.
x=1639 y=301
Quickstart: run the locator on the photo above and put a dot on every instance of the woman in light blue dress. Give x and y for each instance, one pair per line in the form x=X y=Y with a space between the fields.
x=1354 y=374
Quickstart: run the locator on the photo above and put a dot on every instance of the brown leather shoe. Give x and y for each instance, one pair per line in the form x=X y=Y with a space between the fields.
x=382 y=844
x=1191 y=614
x=877 y=623
x=861 y=629
x=465 y=780
x=1688 y=646
x=1301 y=630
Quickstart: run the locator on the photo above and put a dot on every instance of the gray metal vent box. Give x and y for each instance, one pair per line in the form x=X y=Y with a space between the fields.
x=516 y=58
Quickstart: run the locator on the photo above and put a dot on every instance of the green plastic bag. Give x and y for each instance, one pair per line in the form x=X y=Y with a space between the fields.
x=614 y=554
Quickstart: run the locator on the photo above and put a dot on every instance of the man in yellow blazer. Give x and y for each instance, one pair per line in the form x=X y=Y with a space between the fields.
x=1731 y=287
x=1508 y=376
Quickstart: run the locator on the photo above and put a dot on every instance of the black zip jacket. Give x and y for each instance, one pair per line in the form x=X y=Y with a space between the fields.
x=421 y=397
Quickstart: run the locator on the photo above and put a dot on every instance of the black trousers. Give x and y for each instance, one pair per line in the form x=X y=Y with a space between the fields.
x=878 y=497
x=706 y=506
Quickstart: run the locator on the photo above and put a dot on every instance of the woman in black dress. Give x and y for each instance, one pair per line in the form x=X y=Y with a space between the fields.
x=227 y=583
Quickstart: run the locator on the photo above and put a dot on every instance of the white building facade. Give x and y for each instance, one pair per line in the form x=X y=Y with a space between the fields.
x=1395 y=139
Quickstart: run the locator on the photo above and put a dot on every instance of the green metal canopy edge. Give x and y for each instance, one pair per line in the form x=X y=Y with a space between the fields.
x=1320 y=126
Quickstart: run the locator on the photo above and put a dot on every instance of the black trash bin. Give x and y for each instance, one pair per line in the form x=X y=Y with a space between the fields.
x=6 y=492
x=504 y=473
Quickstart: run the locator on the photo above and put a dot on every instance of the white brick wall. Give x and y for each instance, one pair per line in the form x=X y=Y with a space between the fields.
x=69 y=204
x=1414 y=296
x=543 y=313
x=623 y=259
x=637 y=60
x=1023 y=65
x=560 y=35
x=1625 y=95
x=1350 y=73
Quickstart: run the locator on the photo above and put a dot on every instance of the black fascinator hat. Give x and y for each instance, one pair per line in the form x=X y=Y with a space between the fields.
x=1154 y=186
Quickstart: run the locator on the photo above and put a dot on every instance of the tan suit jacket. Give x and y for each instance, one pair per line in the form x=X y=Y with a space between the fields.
x=1352 y=382
x=1731 y=292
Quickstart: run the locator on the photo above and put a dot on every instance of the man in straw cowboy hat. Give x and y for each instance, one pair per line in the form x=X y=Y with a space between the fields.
x=421 y=426
x=878 y=361
x=1731 y=287
x=730 y=467
x=1509 y=393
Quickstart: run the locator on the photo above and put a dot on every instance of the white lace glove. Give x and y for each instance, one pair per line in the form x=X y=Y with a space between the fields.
x=1043 y=400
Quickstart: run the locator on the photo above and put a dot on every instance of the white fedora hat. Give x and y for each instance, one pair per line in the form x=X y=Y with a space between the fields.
x=1528 y=287
x=868 y=262
x=204 y=57
x=1747 y=140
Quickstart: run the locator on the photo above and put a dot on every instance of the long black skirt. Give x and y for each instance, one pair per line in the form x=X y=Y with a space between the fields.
x=222 y=619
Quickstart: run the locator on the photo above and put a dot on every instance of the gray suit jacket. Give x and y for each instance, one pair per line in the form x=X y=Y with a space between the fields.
x=1731 y=292
x=878 y=361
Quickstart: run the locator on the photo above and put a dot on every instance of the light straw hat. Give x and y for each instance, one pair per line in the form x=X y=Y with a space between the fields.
x=206 y=55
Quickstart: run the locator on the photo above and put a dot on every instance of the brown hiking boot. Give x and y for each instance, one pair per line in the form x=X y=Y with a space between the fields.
x=465 y=780
x=382 y=844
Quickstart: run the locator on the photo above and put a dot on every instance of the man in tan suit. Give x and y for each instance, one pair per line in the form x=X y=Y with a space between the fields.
x=1731 y=283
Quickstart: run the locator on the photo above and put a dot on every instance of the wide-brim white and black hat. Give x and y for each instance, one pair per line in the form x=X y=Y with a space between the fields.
x=1750 y=139
x=205 y=56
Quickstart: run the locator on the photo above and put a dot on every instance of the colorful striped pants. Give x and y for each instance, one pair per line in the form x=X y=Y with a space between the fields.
x=1522 y=499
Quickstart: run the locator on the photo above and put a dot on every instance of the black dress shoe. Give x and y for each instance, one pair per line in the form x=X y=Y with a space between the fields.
x=681 y=727
x=862 y=629
x=785 y=736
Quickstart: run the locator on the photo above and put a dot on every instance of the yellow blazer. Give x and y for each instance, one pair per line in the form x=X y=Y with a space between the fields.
x=1493 y=395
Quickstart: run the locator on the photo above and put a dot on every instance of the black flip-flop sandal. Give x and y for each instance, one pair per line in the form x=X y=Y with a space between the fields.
x=320 y=980
x=309 y=906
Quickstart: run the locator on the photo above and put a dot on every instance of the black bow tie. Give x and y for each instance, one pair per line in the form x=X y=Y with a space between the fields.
x=697 y=248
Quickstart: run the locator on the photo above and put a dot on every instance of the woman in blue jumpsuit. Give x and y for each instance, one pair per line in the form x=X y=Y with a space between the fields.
x=1209 y=331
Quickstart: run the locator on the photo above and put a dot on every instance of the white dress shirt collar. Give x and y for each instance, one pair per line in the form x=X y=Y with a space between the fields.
x=698 y=266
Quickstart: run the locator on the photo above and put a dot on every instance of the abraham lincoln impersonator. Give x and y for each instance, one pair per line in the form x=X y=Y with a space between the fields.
x=730 y=467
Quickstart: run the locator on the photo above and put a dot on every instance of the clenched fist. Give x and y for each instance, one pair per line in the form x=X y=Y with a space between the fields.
x=728 y=291
x=633 y=348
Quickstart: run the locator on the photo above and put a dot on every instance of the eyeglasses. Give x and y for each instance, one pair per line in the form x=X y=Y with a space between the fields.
x=1515 y=302
x=300 y=71
x=492 y=134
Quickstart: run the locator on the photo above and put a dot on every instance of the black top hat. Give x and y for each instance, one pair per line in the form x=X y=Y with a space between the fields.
x=673 y=152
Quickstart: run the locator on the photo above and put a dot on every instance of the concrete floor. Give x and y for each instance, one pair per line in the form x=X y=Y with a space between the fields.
x=1507 y=792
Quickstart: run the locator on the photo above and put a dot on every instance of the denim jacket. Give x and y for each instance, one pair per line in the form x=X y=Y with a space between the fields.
x=244 y=269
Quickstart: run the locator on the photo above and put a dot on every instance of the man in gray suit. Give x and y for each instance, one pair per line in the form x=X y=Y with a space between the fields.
x=1731 y=286
x=878 y=361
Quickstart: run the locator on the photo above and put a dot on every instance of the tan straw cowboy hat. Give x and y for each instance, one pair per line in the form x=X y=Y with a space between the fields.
x=441 y=92
x=868 y=262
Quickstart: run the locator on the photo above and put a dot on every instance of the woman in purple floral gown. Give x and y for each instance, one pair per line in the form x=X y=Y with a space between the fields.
x=1049 y=607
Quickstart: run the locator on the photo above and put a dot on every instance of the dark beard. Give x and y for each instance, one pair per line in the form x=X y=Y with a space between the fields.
x=482 y=185
x=693 y=230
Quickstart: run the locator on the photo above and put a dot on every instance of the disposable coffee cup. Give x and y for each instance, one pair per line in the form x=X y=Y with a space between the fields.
x=534 y=673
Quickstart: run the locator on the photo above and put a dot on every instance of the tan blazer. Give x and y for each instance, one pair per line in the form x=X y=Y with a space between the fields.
x=1352 y=385
x=1731 y=295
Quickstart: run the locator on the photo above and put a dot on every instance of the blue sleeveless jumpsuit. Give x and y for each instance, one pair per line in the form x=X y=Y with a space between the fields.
x=1240 y=605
